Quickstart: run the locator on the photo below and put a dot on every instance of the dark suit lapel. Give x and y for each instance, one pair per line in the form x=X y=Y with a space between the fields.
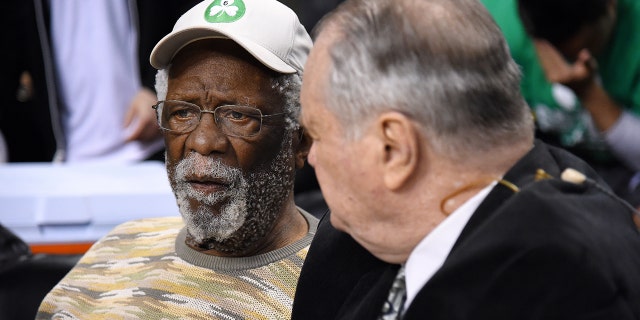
x=438 y=297
x=368 y=296
x=521 y=175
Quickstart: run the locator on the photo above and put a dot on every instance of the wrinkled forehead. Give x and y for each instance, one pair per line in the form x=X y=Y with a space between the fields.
x=222 y=50
x=223 y=72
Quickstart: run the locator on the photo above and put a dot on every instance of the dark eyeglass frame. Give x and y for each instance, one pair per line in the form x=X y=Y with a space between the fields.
x=225 y=126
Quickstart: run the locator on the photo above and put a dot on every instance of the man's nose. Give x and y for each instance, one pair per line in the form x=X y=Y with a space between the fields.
x=207 y=138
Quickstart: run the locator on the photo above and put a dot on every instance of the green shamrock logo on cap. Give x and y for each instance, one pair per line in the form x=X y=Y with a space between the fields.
x=224 y=11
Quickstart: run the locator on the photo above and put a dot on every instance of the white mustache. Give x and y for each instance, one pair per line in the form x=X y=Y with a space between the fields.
x=201 y=167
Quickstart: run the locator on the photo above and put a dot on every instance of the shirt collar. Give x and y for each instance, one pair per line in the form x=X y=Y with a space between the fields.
x=429 y=255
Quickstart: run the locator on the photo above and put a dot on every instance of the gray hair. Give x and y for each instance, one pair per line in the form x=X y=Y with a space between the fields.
x=443 y=63
x=287 y=85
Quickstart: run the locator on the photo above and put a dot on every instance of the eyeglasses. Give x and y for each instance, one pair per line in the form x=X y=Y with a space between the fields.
x=237 y=121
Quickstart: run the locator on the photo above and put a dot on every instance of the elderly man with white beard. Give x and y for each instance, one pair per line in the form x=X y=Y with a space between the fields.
x=228 y=83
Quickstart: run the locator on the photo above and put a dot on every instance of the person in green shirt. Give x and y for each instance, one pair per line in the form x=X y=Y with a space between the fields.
x=581 y=78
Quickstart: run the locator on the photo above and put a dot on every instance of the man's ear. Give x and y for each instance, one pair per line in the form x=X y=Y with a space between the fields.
x=400 y=139
x=301 y=145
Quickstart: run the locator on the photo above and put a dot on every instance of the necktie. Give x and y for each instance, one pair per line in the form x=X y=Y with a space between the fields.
x=393 y=307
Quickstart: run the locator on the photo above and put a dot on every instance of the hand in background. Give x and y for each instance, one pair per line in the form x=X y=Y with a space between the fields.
x=578 y=75
x=141 y=117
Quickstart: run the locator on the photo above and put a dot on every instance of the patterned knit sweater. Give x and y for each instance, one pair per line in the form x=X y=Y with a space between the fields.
x=143 y=270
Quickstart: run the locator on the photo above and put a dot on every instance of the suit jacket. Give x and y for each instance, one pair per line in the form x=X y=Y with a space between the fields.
x=552 y=250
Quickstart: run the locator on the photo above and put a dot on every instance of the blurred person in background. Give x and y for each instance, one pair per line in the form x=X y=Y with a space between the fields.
x=77 y=83
x=581 y=78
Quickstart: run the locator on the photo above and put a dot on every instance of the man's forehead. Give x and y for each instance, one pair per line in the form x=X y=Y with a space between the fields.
x=221 y=48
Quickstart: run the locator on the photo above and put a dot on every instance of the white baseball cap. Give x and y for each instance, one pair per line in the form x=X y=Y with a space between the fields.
x=267 y=29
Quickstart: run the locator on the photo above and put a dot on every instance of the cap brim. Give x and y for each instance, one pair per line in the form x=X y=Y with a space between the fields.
x=171 y=44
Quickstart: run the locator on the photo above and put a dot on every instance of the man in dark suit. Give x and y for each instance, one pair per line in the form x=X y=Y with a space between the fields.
x=443 y=204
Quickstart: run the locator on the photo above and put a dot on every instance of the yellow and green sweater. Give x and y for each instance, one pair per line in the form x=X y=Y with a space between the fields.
x=143 y=270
